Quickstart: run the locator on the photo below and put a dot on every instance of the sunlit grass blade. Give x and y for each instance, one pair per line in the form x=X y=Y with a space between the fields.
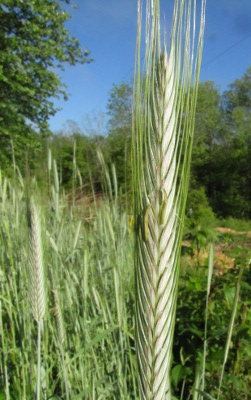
x=209 y=279
x=230 y=328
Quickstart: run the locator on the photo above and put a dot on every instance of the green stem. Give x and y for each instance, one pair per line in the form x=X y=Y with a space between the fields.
x=209 y=278
x=38 y=359
x=64 y=372
x=7 y=394
x=230 y=328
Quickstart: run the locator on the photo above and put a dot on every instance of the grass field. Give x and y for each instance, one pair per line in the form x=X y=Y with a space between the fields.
x=87 y=335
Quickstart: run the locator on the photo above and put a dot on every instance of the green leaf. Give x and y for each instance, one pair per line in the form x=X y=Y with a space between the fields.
x=205 y=395
x=179 y=372
x=229 y=293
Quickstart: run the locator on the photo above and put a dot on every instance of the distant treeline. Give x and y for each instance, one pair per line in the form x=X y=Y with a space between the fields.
x=221 y=152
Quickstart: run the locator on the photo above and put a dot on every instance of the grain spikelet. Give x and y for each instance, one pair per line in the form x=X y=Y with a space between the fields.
x=57 y=311
x=36 y=267
x=156 y=283
x=161 y=160
x=59 y=319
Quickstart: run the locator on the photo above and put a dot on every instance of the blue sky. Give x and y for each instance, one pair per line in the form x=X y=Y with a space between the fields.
x=108 y=29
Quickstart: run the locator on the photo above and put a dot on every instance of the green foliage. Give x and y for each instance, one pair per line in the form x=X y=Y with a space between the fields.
x=89 y=253
x=199 y=220
x=199 y=213
x=119 y=106
x=118 y=143
x=33 y=41
x=237 y=107
x=118 y=152
x=239 y=94
x=222 y=147
x=189 y=333
x=89 y=248
x=236 y=224
x=208 y=129
x=207 y=121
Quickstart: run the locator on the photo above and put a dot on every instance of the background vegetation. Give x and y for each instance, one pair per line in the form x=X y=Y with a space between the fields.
x=82 y=182
x=87 y=341
x=221 y=151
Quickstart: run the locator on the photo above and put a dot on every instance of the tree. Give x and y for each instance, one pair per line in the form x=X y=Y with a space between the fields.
x=33 y=42
x=239 y=94
x=119 y=110
x=207 y=130
x=119 y=107
x=75 y=151
x=209 y=136
x=237 y=112
x=222 y=147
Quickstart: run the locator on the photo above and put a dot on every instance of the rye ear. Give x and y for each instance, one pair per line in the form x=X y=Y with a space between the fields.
x=165 y=99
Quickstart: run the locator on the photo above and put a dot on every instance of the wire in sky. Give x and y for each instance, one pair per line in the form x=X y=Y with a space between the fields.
x=203 y=65
x=226 y=50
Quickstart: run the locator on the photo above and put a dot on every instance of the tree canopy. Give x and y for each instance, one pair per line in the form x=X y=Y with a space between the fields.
x=33 y=43
x=222 y=146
